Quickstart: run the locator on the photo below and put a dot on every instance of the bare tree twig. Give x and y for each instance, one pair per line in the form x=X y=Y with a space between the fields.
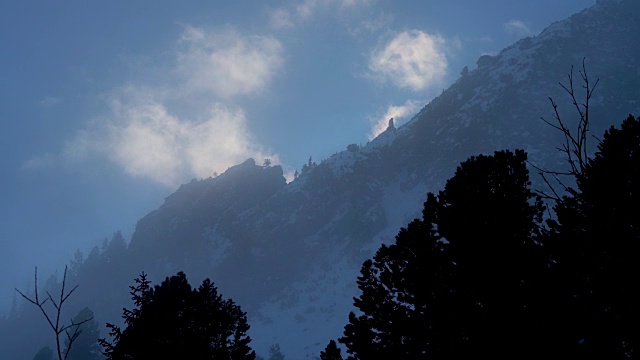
x=575 y=142
x=57 y=328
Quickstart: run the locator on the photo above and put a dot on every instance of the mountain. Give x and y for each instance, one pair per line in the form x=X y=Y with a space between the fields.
x=289 y=253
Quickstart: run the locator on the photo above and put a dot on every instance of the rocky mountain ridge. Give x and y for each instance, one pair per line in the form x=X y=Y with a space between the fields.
x=290 y=253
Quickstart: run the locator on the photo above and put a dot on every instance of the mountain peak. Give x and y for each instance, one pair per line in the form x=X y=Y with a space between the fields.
x=290 y=254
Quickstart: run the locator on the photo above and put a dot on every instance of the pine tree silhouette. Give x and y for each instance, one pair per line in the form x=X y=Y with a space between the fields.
x=596 y=246
x=174 y=321
x=461 y=281
x=331 y=352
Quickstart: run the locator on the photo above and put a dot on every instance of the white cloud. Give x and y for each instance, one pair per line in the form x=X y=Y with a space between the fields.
x=227 y=63
x=185 y=125
x=146 y=140
x=517 y=28
x=413 y=59
x=396 y=112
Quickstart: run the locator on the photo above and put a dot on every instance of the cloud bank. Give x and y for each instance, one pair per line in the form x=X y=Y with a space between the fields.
x=412 y=59
x=161 y=133
x=146 y=140
x=227 y=63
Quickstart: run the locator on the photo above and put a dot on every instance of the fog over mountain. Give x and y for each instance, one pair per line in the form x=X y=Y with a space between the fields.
x=289 y=253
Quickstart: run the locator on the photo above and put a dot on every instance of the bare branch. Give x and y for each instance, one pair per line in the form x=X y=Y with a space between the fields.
x=73 y=336
x=74 y=324
x=37 y=302
x=575 y=142
x=57 y=328
x=70 y=292
x=52 y=301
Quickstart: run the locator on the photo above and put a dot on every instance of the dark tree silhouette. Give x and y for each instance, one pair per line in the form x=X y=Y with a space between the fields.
x=596 y=245
x=331 y=352
x=593 y=241
x=309 y=165
x=461 y=281
x=174 y=321
x=490 y=218
x=399 y=288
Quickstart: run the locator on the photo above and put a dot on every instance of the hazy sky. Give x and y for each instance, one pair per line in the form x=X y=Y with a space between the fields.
x=106 y=107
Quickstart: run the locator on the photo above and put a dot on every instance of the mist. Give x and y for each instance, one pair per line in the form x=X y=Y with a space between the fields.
x=141 y=121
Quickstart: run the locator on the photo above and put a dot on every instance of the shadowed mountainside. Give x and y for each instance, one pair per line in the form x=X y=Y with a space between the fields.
x=289 y=254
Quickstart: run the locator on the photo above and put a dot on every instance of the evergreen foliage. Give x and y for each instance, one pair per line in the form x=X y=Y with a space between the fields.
x=459 y=281
x=596 y=245
x=398 y=286
x=479 y=276
x=174 y=321
x=490 y=219
x=308 y=166
x=331 y=352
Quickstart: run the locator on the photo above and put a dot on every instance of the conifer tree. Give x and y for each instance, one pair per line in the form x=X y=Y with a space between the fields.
x=400 y=287
x=596 y=248
x=490 y=219
x=460 y=282
x=331 y=352
x=174 y=321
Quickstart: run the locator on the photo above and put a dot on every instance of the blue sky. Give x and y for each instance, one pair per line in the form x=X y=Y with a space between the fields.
x=106 y=107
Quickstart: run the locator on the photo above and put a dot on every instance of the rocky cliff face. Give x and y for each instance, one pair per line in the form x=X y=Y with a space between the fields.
x=289 y=254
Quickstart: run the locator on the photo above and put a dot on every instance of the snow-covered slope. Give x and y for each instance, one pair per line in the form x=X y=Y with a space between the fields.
x=290 y=253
